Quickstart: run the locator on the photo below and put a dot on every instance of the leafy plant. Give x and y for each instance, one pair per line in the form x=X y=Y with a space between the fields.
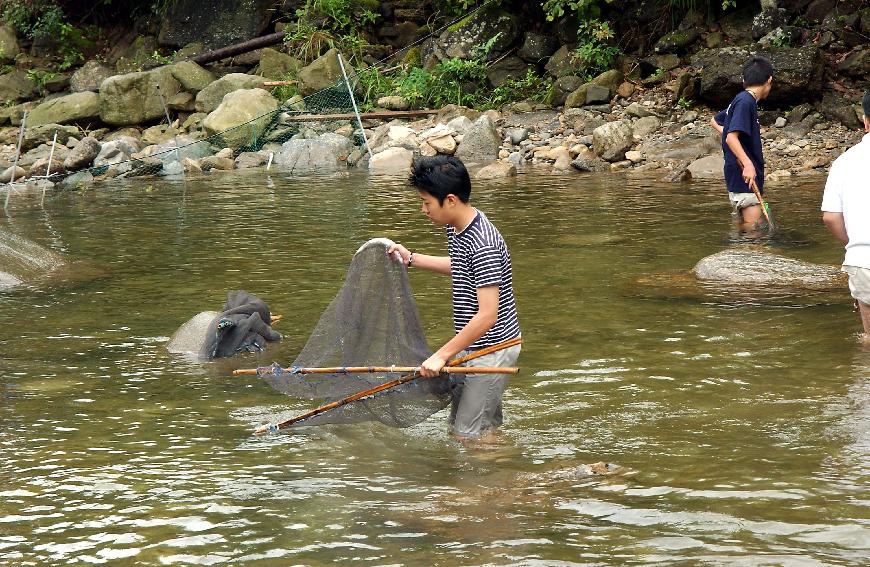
x=530 y=87
x=305 y=41
x=39 y=77
x=684 y=103
x=593 y=51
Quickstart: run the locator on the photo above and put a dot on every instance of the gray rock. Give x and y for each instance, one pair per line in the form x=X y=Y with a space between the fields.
x=638 y=110
x=751 y=267
x=391 y=160
x=192 y=77
x=23 y=261
x=214 y=23
x=241 y=117
x=8 y=44
x=394 y=103
x=116 y=151
x=15 y=86
x=597 y=94
x=462 y=38
x=768 y=20
x=90 y=76
x=645 y=126
x=44 y=134
x=517 y=135
x=708 y=167
x=81 y=106
x=322 y=73
x=537 y=47
x=480 y=143
x=610 y=141
x=277 y=65
x=798 y=74
x=135 y=98
x=210 y=97
x=564 y=86
x=248 y=160
x=83 y=154
x=508 y=68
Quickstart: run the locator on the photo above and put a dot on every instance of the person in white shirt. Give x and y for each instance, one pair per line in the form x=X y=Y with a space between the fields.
x=846 y=213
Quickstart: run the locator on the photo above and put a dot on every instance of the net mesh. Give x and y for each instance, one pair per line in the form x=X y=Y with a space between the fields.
x=372 y=321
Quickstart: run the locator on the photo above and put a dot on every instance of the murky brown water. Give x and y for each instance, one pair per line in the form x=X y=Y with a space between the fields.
x=743 y=419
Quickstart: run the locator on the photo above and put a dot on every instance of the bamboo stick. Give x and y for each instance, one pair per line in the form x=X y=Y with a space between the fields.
x=374 y=369
x=385 y=386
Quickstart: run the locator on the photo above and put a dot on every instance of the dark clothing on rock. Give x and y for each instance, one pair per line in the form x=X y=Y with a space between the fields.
x=243 y=326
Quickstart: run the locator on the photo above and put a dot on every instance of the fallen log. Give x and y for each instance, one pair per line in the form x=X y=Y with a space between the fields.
x=238 y=48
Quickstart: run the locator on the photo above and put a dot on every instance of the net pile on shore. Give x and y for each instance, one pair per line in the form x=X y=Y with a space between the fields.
x=373 y=320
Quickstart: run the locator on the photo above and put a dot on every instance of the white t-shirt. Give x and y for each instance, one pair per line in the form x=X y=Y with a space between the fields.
x=847 y=191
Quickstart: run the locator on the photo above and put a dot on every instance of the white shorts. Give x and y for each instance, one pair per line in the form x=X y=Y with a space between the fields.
x=859 y=283
x=742 y=200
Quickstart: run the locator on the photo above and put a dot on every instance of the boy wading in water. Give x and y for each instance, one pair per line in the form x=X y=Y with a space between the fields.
x=741 y=141
x=484 y=312
x=846 y=213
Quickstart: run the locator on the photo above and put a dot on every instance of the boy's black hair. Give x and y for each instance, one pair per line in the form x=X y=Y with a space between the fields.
x=865 y=102
x=441 y=176
x=756 y=71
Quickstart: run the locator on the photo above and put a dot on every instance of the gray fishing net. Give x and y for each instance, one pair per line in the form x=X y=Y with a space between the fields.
x=372 y=321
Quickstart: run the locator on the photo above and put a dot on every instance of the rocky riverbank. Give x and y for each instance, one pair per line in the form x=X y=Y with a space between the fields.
x=650 y=114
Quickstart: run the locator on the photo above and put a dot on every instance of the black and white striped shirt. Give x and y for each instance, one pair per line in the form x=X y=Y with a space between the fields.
x=479 y=258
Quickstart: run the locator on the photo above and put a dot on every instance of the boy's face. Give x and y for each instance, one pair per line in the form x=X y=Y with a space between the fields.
x=437 y=212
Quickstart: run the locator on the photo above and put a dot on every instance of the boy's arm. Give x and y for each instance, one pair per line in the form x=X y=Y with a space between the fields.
x=437 y=264
x=836 y=224
x=733 y=142
x=716 y=126
x=483 y=320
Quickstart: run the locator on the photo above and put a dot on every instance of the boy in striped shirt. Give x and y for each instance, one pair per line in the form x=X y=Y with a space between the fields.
x=484 y=311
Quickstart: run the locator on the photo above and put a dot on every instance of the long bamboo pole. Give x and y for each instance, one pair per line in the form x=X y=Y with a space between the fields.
x=765 y=208
x=373 y=369
x=385 y=386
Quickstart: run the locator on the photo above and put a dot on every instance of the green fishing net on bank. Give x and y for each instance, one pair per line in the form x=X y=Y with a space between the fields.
x=372 y=321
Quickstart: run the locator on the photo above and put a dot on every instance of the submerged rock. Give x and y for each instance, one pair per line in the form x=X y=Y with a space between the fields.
x=23 y=261
x=747 y=266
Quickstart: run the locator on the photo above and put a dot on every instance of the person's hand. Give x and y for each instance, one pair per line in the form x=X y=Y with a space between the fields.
x=432 y=366
x=749 y=174
x=403 y=253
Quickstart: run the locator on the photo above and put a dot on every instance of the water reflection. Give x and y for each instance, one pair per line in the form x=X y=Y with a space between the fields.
x=738 y=422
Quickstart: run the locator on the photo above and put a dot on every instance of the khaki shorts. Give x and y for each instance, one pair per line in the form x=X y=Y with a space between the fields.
x=859 y=283
x=742 y=200
x=476 y=404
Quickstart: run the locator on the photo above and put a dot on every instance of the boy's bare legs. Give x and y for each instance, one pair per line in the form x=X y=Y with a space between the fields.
x=750 y=217
x=865 y=319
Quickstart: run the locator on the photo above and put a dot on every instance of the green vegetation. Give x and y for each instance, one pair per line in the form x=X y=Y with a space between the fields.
x=594 y=51
x=45 y=20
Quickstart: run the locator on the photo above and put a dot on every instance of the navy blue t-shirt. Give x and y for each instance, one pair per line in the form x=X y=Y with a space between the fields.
x=742 y=116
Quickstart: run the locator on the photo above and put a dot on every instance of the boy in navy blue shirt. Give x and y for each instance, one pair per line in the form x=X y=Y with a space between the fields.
x=741 y=141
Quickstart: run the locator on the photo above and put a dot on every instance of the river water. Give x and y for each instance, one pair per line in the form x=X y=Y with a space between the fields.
x=740 y=422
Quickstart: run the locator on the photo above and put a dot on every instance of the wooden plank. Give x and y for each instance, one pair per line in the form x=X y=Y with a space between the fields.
x=382 y=115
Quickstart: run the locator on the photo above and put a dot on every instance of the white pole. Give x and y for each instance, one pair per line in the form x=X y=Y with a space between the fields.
x=353 y=101
x=48 y=167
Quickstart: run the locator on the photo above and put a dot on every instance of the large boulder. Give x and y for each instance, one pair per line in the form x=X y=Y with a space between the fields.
x=8 y=44
x=83 y=154
x=241 y=117
x=44 y=134
x=15 y=86
x=210 y=97
x=322 y=73
x=462 y=39
x=537 y=46
x=75 y=107
x=610 y=141
x=213 y=23
x=193 y=77
x=708 y=167
x=797 y=74
x=508 y=68
x=277 y=65
x=392 y=160
x=856 y=64
x=136 y=97
x=481 y=142
x=90 y=76
x=749 y=266
x=326 y=152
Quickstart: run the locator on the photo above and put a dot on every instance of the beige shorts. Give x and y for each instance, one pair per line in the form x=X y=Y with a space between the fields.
x=476 y=403
x=742 y=200
x=859 y=283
